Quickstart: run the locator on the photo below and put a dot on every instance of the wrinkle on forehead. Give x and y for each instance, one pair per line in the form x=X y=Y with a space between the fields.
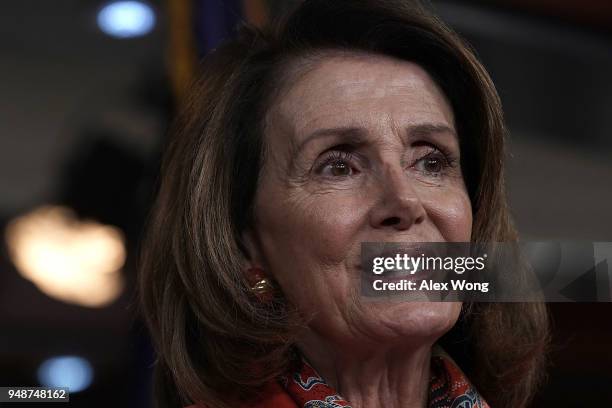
x=351 y=88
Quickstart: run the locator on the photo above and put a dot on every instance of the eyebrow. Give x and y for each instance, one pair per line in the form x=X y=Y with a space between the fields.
x=424 y=129
x=348 y=134
x=357 y=135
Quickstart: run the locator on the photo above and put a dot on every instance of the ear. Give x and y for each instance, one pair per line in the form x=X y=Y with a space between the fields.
x=252 y=247
x=253 y=268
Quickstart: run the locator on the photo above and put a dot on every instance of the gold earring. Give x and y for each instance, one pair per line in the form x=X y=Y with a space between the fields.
x=262 y=286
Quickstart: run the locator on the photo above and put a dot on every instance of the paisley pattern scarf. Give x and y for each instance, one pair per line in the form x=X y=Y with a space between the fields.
x=448 y=387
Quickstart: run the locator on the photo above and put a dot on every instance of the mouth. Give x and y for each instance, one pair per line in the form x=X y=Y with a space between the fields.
x=397 y=261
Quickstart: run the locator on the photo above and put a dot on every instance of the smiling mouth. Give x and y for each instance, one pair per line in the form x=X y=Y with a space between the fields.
x=408 y=260
x=399 y=275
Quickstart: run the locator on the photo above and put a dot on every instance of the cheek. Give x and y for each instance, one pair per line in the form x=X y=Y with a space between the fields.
x=305 y=239
x=451 y=212
x=330 y=221
x=326 y=222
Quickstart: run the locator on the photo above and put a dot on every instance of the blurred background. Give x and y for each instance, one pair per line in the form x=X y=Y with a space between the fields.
x=87 y=90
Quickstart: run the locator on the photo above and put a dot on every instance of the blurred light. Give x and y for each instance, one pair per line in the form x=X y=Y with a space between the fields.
x=125 y=19
x=66 y=371
x=70 y=260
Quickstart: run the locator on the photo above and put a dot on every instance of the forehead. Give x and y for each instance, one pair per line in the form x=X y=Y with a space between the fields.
x=354 y=89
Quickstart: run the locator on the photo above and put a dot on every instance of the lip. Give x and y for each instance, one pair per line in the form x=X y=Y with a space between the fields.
x=392 y=249
x=398 y=276
x=395 y=277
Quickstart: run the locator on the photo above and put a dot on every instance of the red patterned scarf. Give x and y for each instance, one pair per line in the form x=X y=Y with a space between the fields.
x=448 y=387
x=303 y=387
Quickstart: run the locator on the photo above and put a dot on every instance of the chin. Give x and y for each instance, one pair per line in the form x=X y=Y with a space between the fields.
x=418 y=321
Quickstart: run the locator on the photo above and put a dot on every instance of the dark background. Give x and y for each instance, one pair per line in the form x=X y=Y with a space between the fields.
x=83 y=117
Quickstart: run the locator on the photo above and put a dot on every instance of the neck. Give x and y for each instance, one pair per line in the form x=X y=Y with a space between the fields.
x=392 y=377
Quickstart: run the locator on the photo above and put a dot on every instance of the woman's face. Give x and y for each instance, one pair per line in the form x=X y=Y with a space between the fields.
x=360 y=148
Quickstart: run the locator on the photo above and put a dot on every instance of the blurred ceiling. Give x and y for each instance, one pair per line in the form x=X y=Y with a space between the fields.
x=62 y=74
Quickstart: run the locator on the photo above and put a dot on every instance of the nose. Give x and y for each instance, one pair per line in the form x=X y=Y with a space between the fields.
x=399 y=206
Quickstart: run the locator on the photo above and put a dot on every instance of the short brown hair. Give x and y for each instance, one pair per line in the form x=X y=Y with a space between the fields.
x=209 y=331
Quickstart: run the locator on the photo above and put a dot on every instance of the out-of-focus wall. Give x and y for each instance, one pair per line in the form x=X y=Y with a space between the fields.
x=554 y=81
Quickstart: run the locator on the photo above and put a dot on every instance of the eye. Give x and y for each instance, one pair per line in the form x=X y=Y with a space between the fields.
x=433 y=163
x=337 y=164
x=340 y=168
